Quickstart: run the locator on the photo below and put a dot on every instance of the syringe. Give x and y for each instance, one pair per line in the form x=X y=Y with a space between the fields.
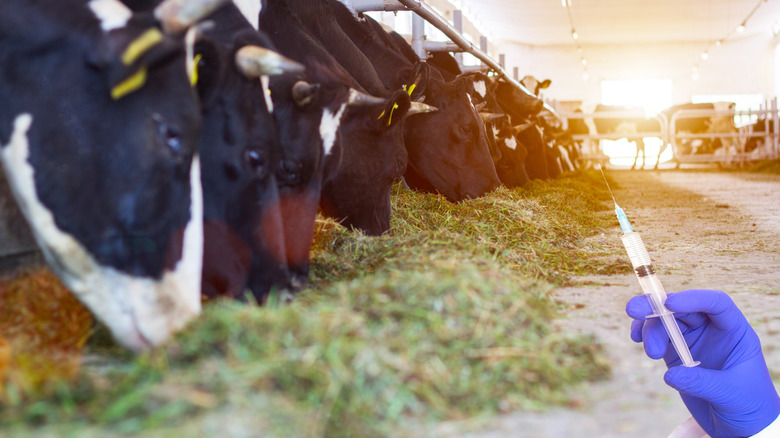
x=650 y=284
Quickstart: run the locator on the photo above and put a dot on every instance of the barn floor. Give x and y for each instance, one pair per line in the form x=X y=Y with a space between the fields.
x=703 y=229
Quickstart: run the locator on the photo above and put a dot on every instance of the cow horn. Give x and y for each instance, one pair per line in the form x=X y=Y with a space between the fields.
x=480 y=106
x=490 y=117
x=358 y=98
x=176 y=16
x=303 y=92
x=254 y=61
x=520 y=128
x=419 y=108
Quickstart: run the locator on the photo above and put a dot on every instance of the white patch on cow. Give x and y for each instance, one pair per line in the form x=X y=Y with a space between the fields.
x=140 y=312
x=481 y=88
x=112 y=14
x=329 y=126
x=269 y=103
x=510 y=142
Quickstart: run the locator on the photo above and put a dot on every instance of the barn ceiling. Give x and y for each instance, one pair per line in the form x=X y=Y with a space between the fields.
x=548 y=23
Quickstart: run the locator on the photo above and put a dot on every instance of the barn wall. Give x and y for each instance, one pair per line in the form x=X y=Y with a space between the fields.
x=740 y=66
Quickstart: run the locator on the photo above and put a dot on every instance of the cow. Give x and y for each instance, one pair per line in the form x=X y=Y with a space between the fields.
x=323 y=122
x=447 y=149
x=370 y=135
x=99 y=128
x=534 y=85
x=508 y=154
x=244 y=236
x=627 y=127
x=680 y=124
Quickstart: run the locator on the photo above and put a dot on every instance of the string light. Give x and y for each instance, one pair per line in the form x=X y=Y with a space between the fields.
x=739 y=29
x=575 y=36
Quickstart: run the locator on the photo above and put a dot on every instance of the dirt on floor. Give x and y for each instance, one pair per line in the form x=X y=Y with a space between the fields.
x=703 y=229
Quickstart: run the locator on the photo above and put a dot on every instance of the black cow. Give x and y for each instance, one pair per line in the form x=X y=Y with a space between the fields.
x=508 y=154
x=99 y=127
x=244 y=235
x=369 y=134
x=323 y=122
x=448 y=151
x=627 y=127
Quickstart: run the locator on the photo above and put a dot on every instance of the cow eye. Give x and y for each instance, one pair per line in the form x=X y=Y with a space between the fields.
x=169 y=135
x=255 y=161
x=465 y=129
x=289 y=172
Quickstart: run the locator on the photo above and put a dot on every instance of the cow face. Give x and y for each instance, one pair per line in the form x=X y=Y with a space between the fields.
x=448 y=149
x=374 y=158
x=518 y=104
x=99 y=129
x=244 y=238
x=534 y=85
x=308 y=111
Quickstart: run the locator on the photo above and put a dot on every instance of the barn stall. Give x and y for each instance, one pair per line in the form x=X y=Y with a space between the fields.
x=354 y=350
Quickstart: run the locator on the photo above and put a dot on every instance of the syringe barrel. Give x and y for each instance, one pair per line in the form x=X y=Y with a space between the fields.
x=636 y=250
x=655 y=293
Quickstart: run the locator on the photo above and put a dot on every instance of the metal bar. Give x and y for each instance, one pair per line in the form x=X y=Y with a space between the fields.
x=441 y=46
x=457 y=22
x=418 y=37
x=374 y=5
x=429 y=14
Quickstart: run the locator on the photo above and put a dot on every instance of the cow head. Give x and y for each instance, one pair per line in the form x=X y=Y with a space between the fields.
x=99 y=130
x=534 y=85
x=244 y=237
x=308 y=110
x=374 y=158
x=448 y=151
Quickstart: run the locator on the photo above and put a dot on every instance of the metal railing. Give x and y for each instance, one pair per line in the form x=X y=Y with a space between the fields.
x=732 y=141
x=458 y=43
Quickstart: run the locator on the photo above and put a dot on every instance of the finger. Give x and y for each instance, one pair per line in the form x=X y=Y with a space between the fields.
x=654 y=338
x=718 y=306
x=710 y=385
x=638 y=307
x=636 y=330
x=690 y=321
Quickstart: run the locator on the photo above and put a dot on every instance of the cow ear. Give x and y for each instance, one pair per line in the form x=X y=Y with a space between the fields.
x=125 y=56
x=545 y=83
x=210 y=64
x=414 y=79
x=304 y=93
x=395 y=110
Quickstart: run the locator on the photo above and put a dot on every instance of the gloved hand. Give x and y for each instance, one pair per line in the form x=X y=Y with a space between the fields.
x=730 y=394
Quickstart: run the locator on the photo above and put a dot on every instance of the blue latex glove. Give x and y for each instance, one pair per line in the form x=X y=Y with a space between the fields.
x=730 y=394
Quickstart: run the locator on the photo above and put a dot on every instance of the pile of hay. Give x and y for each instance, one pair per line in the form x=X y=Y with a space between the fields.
x=446 y=316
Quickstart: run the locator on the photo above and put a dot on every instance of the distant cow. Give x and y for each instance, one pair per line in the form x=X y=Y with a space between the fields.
x=99 y=129
x=534 y=85
x=702 y=124
x=627 y=126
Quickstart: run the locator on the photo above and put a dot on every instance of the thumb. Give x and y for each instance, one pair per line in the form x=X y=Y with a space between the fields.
x=709 y=385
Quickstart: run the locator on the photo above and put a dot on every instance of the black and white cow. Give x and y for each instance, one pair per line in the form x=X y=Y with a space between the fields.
x=99 y=129
x=707 y=124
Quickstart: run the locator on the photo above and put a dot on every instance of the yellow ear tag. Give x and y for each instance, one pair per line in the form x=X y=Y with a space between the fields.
x=140 y=45
x=194 y=74
x=134 y=82
x=390 y=119
x=411 y=89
